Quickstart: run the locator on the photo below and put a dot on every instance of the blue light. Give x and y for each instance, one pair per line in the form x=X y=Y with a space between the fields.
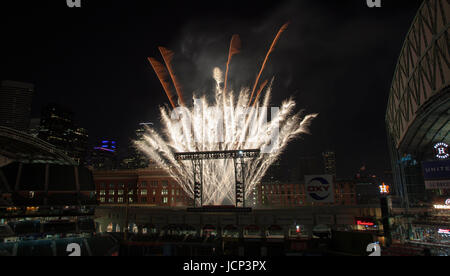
x=104 y=146
x=113 y=142
x=113 y=147
x=105 y=142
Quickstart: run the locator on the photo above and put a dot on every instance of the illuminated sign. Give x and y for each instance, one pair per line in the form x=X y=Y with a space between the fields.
x=444 y=231
x=365 y=223
x=447 y=202
x=436 y=174
x=319 y=188
x=384 y=189
x=442 y=207
x=441 y=150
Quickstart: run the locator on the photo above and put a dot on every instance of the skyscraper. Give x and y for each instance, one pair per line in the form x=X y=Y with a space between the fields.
x=104 y=156
x=58 y=128
x=136 y=159
x=15 y=104
x=329 y=161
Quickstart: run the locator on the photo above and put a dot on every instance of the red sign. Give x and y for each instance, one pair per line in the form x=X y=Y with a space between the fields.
x=365 y=223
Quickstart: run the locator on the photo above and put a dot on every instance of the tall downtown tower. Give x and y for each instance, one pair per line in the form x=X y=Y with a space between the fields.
x=15 y=104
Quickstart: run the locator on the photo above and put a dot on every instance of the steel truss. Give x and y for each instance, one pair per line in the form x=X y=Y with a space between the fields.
x=240 y=167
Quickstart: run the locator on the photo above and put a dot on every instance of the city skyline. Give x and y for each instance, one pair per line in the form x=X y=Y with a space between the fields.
x=107 y=75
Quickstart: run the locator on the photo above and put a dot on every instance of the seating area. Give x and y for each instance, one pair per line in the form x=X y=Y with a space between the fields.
x=403 y=250
x=104 y=245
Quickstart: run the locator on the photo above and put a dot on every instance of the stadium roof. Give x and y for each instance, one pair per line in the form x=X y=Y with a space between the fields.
x=24 y=148
x=419 y=102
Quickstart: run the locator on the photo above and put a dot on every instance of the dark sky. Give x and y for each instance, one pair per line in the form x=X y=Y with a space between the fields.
x=337 y=59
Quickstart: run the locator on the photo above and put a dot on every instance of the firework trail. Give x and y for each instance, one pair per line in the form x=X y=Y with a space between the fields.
x=271 y=49
x=168 y=56
x=235 y=46
x=260 y=90
x=163 y=75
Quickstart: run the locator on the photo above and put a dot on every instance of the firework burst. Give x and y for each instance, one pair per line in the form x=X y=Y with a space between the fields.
x=225 y=124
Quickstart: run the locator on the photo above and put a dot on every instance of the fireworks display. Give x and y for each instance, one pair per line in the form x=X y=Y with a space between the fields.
x=230 y=122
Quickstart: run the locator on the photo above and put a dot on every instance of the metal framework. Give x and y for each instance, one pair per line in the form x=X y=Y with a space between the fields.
x=197 y=165
x=418 y=108
x=19 y=146
x=240 y=166
x=423 y=68
x=231 y=154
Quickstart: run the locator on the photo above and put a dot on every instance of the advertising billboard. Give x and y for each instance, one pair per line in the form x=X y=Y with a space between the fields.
x=436 y=174
x=319 y=188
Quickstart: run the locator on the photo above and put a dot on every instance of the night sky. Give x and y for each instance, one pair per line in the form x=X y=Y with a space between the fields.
x=336 y=59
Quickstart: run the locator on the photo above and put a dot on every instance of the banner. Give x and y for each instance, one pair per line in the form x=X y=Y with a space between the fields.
x=436 y=174
x=319 y=188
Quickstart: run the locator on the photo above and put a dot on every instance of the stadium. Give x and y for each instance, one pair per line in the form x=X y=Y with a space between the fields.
x=418 y=110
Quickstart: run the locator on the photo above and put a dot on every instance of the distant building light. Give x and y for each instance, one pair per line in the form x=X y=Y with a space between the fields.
x=105 y=142
x=104 y=149
x=406 y=158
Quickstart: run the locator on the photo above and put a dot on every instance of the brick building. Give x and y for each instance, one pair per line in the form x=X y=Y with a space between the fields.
x=293 y=194
x=151 y=187
x=154 y=187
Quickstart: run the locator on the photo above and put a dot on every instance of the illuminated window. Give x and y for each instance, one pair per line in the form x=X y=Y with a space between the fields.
x=102 y=192
x=120 y=200
x=102 y=200
x=111 y=192
x=111 y=200
x=165 y=200
x=144 y=192
x=120 y=192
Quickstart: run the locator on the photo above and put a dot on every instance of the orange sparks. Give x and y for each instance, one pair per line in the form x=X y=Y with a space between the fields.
x=259 y=91
x=168 y=56
x=235 y=48
x=163 y=75
x=271 y=49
